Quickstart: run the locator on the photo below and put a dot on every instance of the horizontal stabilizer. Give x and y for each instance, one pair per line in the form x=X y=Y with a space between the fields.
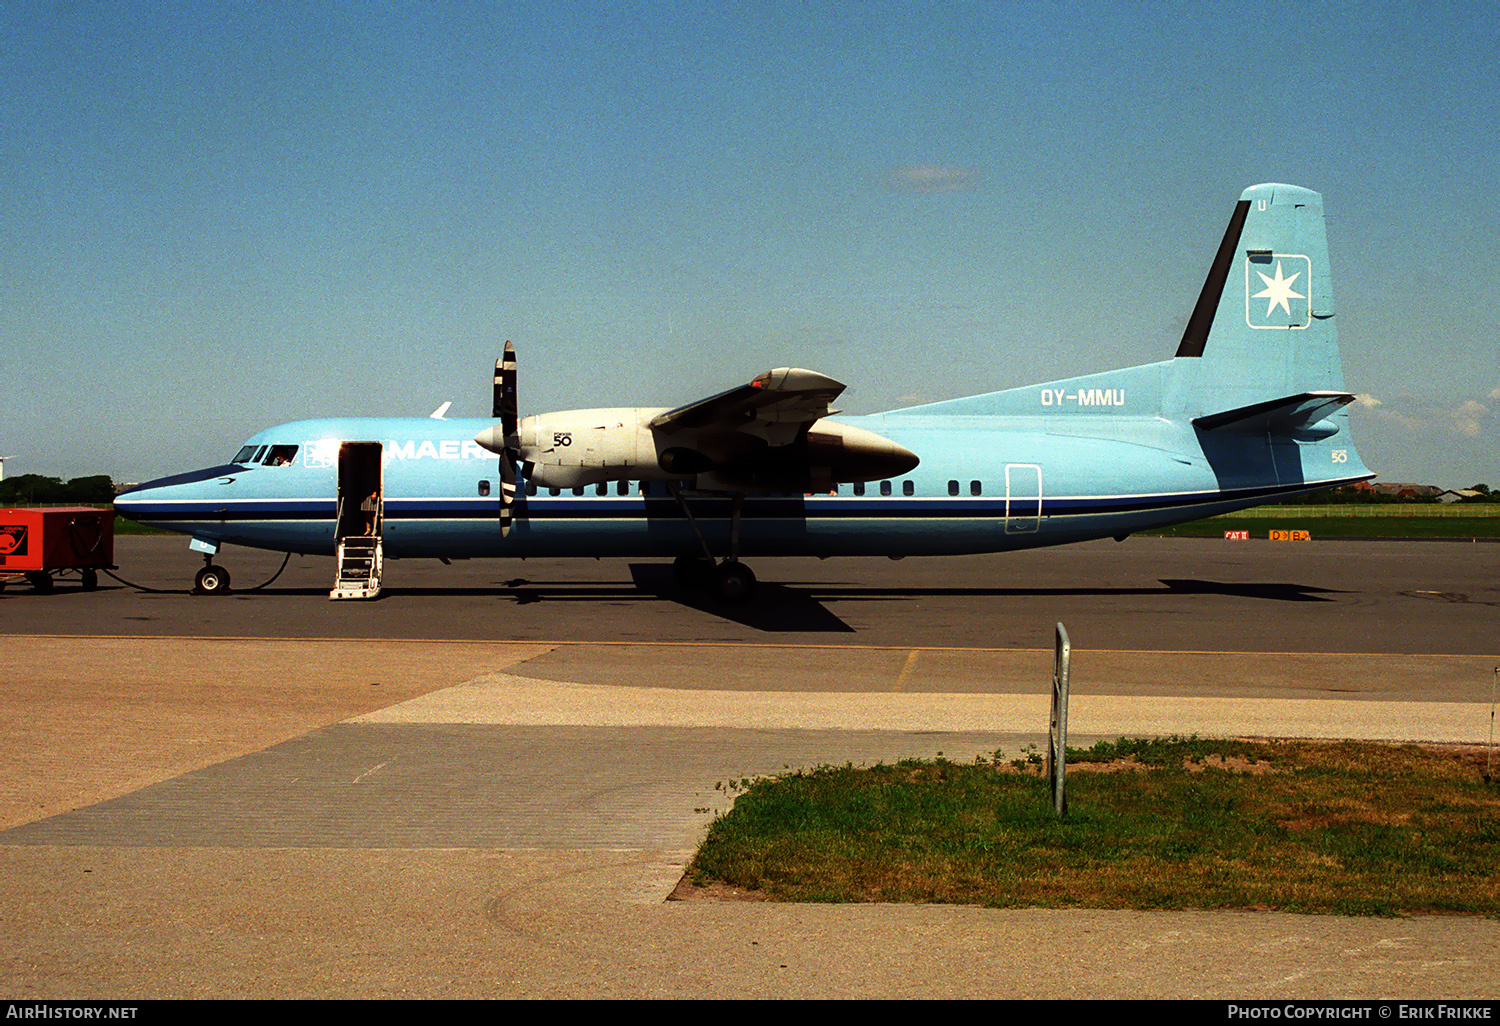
x=1288 y=414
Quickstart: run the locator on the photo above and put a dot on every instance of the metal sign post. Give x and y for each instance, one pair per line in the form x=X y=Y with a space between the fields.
x=1057 y=740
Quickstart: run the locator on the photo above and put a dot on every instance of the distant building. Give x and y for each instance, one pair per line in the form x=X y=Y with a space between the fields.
x=1408 y=491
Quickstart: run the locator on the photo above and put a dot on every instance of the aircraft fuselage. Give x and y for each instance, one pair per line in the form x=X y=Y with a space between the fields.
x=984 y=484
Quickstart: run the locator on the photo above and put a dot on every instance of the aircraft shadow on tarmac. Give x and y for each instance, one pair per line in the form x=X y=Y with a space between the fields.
x=1247 y=589
x=774 y=608
x=800 y=607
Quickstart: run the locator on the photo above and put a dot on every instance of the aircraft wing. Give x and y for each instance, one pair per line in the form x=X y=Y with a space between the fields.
x=776 y=406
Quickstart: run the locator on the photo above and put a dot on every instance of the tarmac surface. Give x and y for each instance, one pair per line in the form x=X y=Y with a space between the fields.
x=485 y=783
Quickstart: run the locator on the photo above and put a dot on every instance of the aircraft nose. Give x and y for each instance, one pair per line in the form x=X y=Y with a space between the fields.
x=134 y=502
x=155 y=498
x=135 y=495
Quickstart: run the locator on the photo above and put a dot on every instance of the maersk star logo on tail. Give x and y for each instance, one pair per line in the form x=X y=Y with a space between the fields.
x=1284 y=290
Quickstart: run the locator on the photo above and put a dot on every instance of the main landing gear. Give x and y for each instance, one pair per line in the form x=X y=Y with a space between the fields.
x=731 y=580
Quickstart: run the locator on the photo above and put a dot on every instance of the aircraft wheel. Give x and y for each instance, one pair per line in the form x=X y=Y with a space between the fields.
x=735 y=582
x=40 y=580
x=90 y=579
x=211 y=580
x=693 y=571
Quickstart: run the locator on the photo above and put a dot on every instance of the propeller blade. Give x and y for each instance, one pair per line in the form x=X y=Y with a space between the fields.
x=507 y=493
x=505 y=390
x=505 y=412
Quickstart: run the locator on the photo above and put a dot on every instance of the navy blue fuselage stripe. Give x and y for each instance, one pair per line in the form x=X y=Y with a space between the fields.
x=191 y=477
x=575 y=508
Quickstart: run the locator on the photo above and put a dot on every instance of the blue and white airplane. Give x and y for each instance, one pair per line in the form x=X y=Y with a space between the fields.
x=1250 y=409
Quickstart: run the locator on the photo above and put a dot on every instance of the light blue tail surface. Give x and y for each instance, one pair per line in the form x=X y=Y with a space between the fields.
x=1263 y=329
x=1256 y=387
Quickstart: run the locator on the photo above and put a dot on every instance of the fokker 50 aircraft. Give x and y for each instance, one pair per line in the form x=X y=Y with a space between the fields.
x=1250 y=409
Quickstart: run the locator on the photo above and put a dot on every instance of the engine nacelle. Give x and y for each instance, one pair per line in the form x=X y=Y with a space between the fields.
x=854 y=454
x=572 y=448
x=830 y=454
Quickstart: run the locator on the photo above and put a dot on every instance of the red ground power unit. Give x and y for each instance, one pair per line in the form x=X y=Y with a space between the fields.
x=46 y=541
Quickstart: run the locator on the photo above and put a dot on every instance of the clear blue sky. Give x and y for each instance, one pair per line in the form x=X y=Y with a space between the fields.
x=222 y=216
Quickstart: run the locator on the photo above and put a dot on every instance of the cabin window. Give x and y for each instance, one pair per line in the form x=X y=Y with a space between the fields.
x=859 y=488
x=484 y=488
x=281 y=456
x=952 y=487
x=622 y=488
x=885 y=488
x=602 y=488
x=908 y=488
x=578 y=490
x=554 y=491
x=530 y=487
x=975 y=488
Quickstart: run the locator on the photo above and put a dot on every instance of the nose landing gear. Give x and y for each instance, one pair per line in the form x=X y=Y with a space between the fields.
x=211 y=580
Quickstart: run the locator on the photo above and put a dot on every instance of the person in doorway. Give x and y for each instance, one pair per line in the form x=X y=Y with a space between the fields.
x=368 y=508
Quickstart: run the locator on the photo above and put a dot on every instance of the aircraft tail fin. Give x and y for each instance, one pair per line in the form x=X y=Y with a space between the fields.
x=1258 y=371
x=1263 y=327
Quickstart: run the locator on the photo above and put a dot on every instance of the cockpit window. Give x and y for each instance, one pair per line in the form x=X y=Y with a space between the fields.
x=244 y=455
x=281 y=455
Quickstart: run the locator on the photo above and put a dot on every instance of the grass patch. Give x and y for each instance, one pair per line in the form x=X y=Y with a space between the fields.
x=1336 y=527
x=1341 y=828
x=124 y=526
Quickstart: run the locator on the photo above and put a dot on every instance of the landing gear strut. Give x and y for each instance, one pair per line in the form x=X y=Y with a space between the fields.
x=732 y=580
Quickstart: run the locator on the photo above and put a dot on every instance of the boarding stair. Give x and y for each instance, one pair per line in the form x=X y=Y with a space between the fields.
x=358 y=574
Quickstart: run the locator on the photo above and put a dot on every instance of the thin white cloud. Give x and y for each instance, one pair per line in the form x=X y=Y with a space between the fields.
x=925 y=178
x=1467 y=420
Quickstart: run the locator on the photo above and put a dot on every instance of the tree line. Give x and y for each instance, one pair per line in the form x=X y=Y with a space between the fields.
x=1348 y=495
x=34 y=489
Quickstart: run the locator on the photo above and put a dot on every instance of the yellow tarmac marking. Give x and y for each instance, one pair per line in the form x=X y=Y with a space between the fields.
x=911 y=662
x=828 y=646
